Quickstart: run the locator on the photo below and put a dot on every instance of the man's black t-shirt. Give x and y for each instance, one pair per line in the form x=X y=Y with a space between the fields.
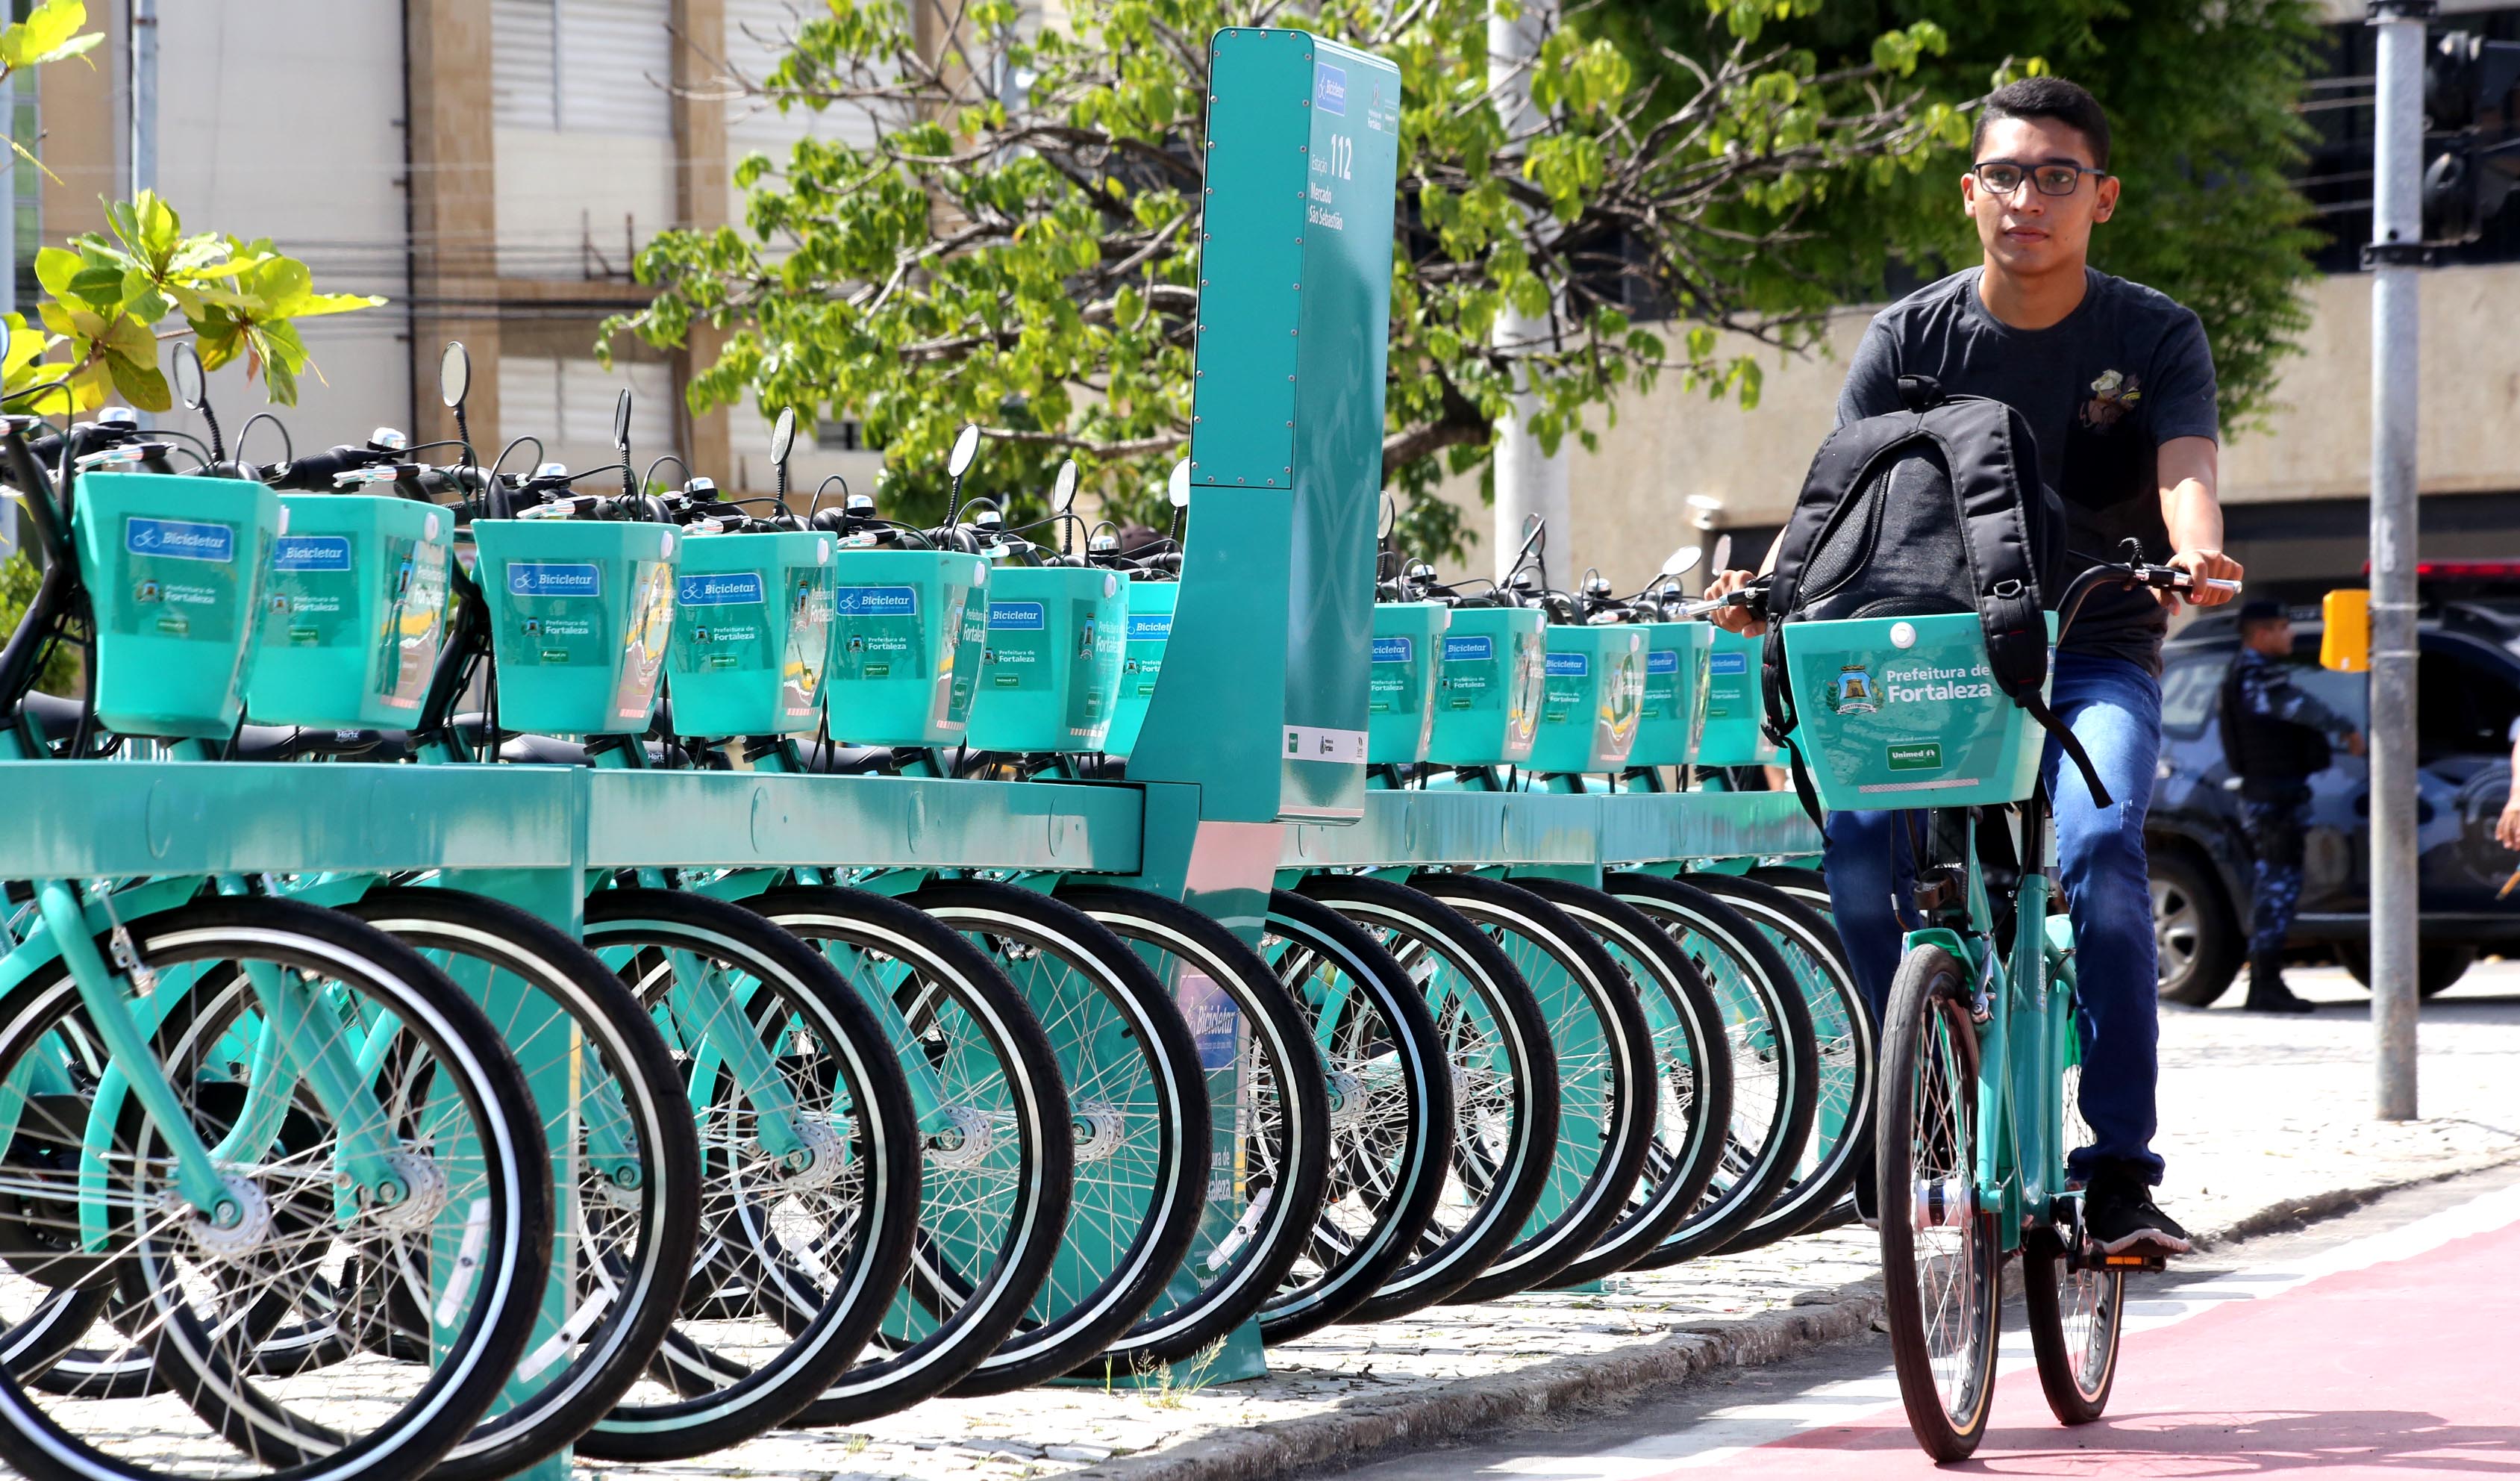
x=2127 y=371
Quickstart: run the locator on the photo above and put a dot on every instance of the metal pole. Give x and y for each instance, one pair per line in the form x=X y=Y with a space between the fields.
x=9 y=198
x=144 y=96
x=1528 y=481
x=2395 y=257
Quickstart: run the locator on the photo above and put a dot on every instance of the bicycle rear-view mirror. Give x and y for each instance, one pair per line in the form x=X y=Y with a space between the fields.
x=1177 y=486
x=622 y=422
x=1723 y=554
x=454 y=375
x=782 y=437
x=189 y=389
x=1682 y=562
x=966 y=446
x=1062 y=493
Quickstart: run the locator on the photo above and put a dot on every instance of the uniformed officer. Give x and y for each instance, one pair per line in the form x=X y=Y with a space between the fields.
x=2276 y=738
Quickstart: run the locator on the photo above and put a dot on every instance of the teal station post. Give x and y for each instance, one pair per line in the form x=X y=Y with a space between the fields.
x=1261 y=716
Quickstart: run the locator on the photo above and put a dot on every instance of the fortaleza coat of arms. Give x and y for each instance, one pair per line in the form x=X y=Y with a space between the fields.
x=1852 y=692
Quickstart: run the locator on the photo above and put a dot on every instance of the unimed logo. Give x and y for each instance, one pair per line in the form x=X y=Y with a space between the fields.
x=1914 y=755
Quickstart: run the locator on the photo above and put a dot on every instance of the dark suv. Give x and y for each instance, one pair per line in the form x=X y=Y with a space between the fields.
x=2468 y=696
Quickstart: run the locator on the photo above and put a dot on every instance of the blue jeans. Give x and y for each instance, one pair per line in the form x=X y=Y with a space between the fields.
x=2115 y=707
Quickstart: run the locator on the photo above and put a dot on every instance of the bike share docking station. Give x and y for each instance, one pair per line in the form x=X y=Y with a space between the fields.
x=1253 y=756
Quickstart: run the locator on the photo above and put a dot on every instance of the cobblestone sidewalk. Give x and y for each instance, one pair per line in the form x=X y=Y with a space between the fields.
x=2264 y=1119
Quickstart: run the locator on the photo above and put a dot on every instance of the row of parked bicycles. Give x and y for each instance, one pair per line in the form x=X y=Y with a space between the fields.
x=371 y=1175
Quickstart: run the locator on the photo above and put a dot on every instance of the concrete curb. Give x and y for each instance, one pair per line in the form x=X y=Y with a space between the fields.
x=1447 y=1412
x=1466 y=1407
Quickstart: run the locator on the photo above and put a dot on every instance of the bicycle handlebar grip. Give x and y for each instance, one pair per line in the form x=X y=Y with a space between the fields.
x=313 y=474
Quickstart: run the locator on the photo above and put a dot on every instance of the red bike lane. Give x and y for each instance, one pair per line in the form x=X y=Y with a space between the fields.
x=2410 y=1366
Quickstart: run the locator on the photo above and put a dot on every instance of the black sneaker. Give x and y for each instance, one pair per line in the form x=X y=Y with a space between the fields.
x=2119 y=1216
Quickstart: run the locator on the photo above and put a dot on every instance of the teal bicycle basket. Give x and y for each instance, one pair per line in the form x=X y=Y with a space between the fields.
x=1051 y=669
x=353 y=612
x=1408 y=649
x=1142 y=660
x=1731 y=736
x=906 y=635
x=752 y=621
x=1675 y=702
x=581 y=614
x=1488 y=691
x=174 y=570
x=1593 y=685
x=1903 y=712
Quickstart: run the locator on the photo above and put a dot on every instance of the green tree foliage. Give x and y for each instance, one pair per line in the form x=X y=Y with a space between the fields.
x=109 y=299
x=2201 y=102
x=1018 y=244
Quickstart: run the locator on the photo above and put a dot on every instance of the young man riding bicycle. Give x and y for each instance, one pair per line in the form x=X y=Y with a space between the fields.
x=2117 y=384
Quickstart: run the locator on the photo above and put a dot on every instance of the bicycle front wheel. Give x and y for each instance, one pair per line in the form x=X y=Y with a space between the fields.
x=1138 y=1116
x=809 y=1167
x=1605 y=1090
x=1269 y=1102
x=1505 y=1085
x=1940 y=1258
x=441 y=1285
x=1843 y=1058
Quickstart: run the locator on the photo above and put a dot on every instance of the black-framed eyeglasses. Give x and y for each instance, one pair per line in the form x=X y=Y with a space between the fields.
x=2056 y=177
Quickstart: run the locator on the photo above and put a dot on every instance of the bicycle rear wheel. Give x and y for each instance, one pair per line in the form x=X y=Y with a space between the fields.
x=1138 y=1114
x=1605 y=1081
x=434 y=1349
x=1269 y=1103
x=2076 y=1313
x=1768 y=1032
x=1844 y=1059
x=1391 y=1111
x=1941 y=1260
x=1503 y=1076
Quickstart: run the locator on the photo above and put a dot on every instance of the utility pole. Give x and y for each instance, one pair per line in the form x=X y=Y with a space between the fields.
x=2395 y=257
x=1528 y=481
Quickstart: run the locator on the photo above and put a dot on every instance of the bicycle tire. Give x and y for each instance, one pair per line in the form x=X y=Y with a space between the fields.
x=1504 y=1074
x=1141 y=1117
x=804 y=1312
x=1272 y=1114
x=1605 y=1077
x=1769 y=1030
x=1927 y=1164
x=1391 y=1111
x=1692 y=1076
x=440 y=1047
x=1000 y=1169
x=1846 y=1056
x=2076 y=1316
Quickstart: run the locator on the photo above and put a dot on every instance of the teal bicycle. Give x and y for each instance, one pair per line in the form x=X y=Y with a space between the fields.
x=214 y=1105
x=1983 y=1039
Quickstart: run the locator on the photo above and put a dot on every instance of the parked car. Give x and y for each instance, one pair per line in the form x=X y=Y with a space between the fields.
x=2467 y=697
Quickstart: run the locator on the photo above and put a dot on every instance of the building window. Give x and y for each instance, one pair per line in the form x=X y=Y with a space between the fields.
x=583 y=66
x=845 y=434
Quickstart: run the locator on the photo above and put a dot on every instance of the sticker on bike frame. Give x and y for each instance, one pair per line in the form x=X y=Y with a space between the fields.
x=555 y=579
x=725 y=588
x=311 y=552
x=1394 y=650
x=1150 y=627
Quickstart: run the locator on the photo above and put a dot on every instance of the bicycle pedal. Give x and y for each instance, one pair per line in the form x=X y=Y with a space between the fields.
x=2134 y=1262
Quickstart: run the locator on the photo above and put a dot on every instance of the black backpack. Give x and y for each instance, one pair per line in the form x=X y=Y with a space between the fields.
x=1935 y=508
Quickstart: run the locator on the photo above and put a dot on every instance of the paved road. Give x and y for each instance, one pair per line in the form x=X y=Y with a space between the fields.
x=2377 y=1344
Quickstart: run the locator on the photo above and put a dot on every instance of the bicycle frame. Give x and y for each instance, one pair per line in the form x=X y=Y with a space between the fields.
x=2024 y=1005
